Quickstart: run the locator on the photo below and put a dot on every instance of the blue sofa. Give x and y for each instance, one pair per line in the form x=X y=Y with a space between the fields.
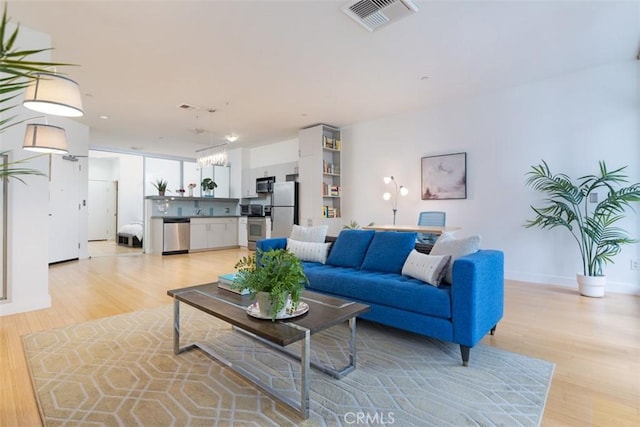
x=357 y=269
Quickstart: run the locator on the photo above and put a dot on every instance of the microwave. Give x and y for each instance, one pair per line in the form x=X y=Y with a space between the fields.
x=256 y=210
x=265 y=185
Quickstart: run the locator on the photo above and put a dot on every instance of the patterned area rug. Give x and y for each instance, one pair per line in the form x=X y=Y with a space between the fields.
x=121 y=370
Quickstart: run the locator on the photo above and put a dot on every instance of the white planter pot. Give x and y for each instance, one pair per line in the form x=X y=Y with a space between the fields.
x=264 y=304
x=591 y=286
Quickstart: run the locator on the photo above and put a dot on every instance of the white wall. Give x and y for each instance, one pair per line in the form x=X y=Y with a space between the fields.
x=571 y=121
x=275 y=154
x=127 y=170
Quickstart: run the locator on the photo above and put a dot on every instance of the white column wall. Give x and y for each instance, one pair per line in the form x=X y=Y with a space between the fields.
x=28 y=221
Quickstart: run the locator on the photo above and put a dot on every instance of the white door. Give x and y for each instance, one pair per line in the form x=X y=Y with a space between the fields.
x=100 y=209
x=64 y=210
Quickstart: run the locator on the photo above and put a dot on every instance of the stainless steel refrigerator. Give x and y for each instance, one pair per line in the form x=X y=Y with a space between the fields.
x=284 y=208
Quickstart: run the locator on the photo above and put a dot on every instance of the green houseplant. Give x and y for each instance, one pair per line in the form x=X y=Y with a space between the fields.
x=277 y=273
x=208 y=185
x=592 y=224
x=161 y=186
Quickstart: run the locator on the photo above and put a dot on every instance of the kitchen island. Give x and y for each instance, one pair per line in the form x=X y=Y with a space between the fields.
x=213 y=222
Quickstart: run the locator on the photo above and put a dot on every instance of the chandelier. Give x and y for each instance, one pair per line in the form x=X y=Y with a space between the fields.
x=212 y=156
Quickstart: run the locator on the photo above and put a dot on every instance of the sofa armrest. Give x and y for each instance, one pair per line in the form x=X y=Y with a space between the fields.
x=477 y=295
x=274 y=243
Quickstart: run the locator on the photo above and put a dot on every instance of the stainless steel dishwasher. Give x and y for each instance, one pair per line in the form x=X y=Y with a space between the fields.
x=176 y=236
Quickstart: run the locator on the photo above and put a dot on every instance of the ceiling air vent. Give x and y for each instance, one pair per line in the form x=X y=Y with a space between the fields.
x=188 y=107
x=375 y=14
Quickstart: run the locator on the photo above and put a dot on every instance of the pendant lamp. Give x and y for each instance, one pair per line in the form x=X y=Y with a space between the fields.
x=44 y=138
x=53 y=94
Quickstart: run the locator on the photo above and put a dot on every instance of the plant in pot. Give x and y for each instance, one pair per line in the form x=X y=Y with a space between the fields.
x=275 y=277
x=161 y=186
x=591 y=222
x=208 y=185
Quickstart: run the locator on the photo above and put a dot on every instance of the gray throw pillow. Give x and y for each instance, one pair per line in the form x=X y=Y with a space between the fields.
x=315 y=234
x=455 y=248
x=428 y=268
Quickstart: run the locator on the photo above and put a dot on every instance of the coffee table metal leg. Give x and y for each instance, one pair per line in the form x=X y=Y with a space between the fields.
x=305 y=351
x=329 y=370
x=176 y=330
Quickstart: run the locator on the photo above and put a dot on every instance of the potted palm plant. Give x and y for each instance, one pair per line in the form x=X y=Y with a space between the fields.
x=275 y=277
x=161 y=186
x=575 y=206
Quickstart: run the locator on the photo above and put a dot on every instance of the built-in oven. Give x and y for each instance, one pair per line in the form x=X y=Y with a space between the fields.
x=256 y=230
x=265 y=185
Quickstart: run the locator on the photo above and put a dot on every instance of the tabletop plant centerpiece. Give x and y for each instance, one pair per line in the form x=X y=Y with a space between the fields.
x=589 y=210
x=161 y=186
x=275 y=277
x=208 y=185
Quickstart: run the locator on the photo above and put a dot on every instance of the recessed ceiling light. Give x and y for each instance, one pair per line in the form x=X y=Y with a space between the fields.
x=103 y=117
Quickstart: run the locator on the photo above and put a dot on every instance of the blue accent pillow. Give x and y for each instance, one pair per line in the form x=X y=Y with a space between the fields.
x=350 y=248
x=388 y=251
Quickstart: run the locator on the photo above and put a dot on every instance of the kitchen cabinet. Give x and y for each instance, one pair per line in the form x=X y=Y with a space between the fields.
x=248 y=183
x=213 y=233
x=243 y=238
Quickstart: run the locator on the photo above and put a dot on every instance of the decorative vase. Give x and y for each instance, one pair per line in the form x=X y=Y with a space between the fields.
x=591 y=286
x=160 y=192
x=191 y=192
x=265 y=304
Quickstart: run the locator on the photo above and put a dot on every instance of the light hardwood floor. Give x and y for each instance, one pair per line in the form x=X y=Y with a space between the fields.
x=595 y=343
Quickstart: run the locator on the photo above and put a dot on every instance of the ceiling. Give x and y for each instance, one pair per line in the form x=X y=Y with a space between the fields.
x=269 y=68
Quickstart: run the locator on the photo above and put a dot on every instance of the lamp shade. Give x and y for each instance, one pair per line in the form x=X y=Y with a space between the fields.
x=45 y=139
x=53 y=94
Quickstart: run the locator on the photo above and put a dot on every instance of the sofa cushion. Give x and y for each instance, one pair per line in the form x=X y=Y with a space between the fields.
x=386 y=289
x=309 y=234
x=309 y=251
x=428 y=268
x=350 y=248
x=456 y=248
x=388 y=251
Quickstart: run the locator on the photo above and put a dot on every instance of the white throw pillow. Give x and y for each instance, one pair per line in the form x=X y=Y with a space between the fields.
x=309 y=234
x=309 y=251
x=428 y=268
x=455 y=248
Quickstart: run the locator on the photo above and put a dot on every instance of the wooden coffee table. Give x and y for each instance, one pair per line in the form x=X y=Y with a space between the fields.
x=324 y=312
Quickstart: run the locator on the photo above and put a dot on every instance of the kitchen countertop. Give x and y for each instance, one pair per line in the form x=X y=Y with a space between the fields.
x=187 y=198
x=195 y=216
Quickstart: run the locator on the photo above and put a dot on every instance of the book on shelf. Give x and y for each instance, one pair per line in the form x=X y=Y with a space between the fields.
x=330 y=143
x=330 y=168
x=225 y=281
x=330 y=190
x=330 y=212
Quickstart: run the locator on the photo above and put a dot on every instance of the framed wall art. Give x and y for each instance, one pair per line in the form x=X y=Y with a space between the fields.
x=444 y=177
